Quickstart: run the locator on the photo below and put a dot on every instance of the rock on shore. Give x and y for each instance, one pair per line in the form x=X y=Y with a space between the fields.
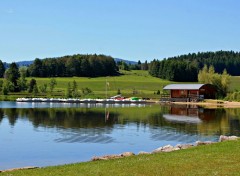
x=107 y=157
x=167 y=148
x=227 y=138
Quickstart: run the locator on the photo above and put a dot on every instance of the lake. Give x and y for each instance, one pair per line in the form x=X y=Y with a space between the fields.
x=43 y=134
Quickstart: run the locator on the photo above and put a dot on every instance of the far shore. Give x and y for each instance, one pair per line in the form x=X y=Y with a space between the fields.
x=208 y=103
x=213 y=104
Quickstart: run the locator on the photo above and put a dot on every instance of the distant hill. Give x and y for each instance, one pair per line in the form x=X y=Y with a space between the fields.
x=20 y=63
x=126 y=61
x=27 y=63
x=24 y=63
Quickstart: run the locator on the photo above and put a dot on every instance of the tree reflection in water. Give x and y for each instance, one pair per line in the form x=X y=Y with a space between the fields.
x=165 y=122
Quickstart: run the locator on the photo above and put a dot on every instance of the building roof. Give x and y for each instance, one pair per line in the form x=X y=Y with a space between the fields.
x=183 y=86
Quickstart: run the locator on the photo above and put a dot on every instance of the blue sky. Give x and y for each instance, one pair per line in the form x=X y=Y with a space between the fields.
x=128 y=29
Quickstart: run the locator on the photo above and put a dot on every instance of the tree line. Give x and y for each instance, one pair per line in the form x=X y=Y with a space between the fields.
x=67 y=66
x=75 y=65
x=185 y=68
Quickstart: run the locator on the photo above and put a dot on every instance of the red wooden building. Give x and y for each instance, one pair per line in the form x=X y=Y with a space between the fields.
x=189 y=92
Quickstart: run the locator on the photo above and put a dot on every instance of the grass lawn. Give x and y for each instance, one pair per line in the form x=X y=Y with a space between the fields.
x=216 y=159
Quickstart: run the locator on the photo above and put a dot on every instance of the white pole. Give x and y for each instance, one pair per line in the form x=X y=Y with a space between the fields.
x=106 y=88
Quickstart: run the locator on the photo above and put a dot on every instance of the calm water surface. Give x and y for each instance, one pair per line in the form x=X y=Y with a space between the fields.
x=42 y=134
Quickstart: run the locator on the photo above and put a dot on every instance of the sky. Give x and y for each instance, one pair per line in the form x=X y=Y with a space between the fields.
x=128 y=29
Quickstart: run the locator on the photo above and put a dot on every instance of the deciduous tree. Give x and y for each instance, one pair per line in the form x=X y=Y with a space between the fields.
x=12 y=74
x=52 y=84
x=220 y=81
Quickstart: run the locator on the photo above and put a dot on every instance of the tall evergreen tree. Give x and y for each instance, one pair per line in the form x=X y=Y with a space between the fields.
x=2 y=69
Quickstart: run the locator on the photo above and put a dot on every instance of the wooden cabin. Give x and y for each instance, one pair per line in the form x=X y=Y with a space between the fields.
x=188 y=92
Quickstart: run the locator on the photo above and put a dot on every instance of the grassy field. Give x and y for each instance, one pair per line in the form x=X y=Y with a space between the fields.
x=139 y=81
x=216 y=159
x=235 y=83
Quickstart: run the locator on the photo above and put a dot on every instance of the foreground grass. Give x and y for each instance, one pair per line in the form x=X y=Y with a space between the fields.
x=216 y=159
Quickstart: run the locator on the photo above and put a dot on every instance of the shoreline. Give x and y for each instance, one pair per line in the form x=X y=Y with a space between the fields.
x=212 y=104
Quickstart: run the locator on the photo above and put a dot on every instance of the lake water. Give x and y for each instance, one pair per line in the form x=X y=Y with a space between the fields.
x=43 y=134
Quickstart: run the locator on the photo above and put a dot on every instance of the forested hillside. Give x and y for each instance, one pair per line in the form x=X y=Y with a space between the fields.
x=75 y=65
x=186 y=67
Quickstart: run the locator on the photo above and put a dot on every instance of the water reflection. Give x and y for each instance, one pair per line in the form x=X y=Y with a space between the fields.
x=75 y=125
x=12 y=104
x=182 y=118
x=98 y=121
x=185 y=124
x=190 y=114
x=61 y=118
x=86 y=138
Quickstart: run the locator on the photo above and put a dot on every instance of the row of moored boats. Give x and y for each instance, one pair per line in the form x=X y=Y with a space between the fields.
x=75 y=100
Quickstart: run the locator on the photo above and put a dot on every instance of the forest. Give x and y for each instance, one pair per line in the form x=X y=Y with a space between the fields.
x=66 y=66
x=185 y=68
x=75 y=65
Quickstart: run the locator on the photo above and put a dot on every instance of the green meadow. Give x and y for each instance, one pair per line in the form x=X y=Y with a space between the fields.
x=130 y=83
x=235 y=83
x=140 y=81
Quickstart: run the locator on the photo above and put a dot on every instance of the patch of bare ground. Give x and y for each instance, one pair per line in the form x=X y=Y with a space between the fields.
x=213 y=104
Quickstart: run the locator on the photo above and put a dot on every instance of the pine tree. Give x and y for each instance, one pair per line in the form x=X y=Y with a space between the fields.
x=2 y=69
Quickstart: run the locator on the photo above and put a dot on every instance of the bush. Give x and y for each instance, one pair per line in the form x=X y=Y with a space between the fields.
x=32 y=83
x=235 y=96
